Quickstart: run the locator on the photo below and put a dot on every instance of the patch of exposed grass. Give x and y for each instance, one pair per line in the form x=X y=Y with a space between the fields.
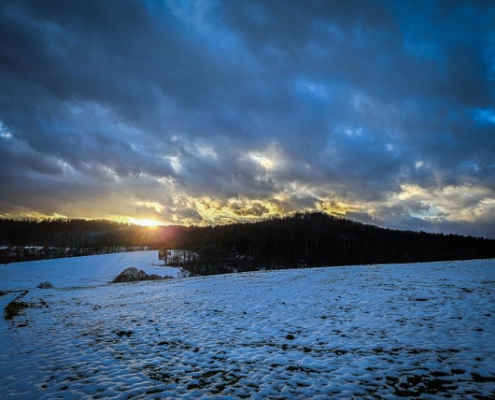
x=15 y=307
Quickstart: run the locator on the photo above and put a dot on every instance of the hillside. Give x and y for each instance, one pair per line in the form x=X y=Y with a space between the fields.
x=22 y=240
x=73 y=232
x=299 y=240
x=86 y=271
x=316 y=239
x=382 y=331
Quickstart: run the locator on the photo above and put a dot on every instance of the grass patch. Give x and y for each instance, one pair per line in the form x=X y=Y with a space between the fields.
x=15 y=307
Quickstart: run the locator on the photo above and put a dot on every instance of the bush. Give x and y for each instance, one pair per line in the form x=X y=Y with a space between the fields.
x=132 y=274
x=45 y=285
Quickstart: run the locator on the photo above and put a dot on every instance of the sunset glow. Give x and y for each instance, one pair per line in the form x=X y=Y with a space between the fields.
x=149 y=223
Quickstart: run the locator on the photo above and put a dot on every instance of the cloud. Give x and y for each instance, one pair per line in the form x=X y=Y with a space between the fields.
x=212 y=111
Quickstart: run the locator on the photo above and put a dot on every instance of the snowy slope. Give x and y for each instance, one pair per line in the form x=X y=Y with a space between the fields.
x=418 y=330
x=80 y=271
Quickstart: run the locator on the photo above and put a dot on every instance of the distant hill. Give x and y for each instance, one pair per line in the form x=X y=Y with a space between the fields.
x=299 y=240
x=316 y=239
x=31 y=239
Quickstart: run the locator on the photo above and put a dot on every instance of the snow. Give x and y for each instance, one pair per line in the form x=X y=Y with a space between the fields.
x=384 y=331
x=81 y=271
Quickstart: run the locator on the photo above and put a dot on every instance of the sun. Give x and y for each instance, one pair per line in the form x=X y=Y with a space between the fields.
x=148 y=223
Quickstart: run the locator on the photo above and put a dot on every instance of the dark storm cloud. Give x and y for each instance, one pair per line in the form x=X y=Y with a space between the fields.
x=186 y=108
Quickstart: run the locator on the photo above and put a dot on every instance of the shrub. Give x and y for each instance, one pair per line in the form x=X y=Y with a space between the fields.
x=132 y=274
x=45 y=285
x=129 y=275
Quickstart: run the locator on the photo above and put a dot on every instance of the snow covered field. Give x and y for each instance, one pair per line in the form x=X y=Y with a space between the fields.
x=80 y=271
x=388 y=331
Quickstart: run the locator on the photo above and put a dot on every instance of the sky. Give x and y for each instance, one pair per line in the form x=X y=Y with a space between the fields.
x=208 y=112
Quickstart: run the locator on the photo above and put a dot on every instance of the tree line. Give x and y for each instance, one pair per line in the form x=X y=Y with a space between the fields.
x=299 y=240
x=315 y=239
x=32 y=239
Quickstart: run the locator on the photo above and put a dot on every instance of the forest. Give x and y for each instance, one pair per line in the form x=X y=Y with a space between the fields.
x=32 y=239
x=315 y=239
x=296 y=241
